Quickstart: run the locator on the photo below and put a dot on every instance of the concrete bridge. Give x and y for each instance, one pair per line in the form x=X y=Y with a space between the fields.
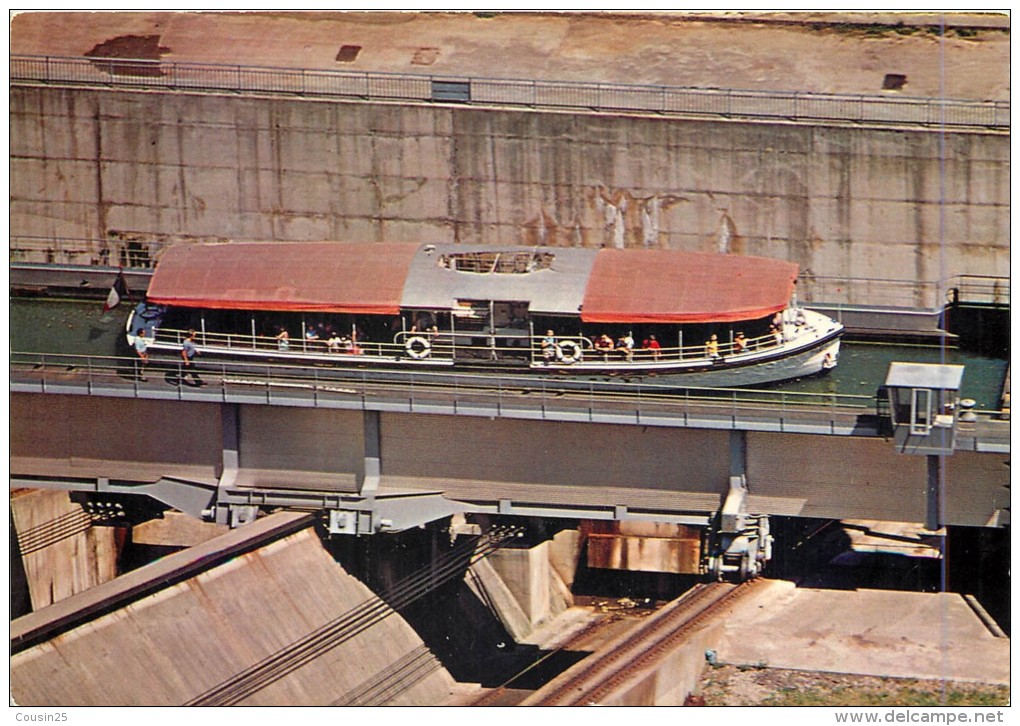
x=386 y=456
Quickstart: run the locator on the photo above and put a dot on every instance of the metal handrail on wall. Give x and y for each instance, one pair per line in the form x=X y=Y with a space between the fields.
x=326 y=83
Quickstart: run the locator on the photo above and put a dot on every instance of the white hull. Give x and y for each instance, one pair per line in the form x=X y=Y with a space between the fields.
x=806 y=350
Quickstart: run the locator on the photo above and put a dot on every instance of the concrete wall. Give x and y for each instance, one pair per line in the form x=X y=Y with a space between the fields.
x=62 y=556
x=193 y=636
x=82 y=436
x=839 y=201
x=608 y=465
x=484 y=460
x=827 y=476
x=284 y=447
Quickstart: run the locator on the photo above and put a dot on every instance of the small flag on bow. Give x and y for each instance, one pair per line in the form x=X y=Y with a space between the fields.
x=118 y=292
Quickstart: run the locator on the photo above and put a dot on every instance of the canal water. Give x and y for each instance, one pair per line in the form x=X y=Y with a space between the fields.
x=82 y=328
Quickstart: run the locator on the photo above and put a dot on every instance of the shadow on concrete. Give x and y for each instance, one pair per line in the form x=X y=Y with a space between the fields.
x=820 y=553
x=458 y=628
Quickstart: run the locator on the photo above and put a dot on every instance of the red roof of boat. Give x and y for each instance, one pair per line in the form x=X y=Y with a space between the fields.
x=668 y=286
x=377 y=278
x=362 y=278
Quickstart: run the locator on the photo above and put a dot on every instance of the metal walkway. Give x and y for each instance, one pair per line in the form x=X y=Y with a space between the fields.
x=747 y=105
x=542 y=398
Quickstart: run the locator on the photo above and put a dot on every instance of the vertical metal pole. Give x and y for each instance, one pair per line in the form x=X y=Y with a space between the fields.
x=492 y=329
x=738 y=453
x=453 y=336
x=203 y=329
x=230 y=423
x=253 y=332
x=933 y=516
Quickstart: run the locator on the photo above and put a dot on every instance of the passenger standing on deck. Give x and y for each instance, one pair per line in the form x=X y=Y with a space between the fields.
x=626 y=346
x=549 y=347
x=142 y=349
x=652 y=344
x=425 y=323
x=604 y=345
x=712 y=347
x=188 y=352
x=739 y=343
x=311 y=338
x=283 y=339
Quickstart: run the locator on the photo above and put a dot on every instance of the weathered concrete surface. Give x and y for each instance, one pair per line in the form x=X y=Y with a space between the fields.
x=195 y=635
x=868 y=632
x=565 y=554
x=64 y=436
x=487 y=584
x=477 y=459
x=58 y=567
x=830 y=53
x=175 y=529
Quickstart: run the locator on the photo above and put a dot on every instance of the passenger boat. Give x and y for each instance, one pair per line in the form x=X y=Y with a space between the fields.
x=684 y=317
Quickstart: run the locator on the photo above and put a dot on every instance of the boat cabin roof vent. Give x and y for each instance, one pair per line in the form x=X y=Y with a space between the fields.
x=500 y=263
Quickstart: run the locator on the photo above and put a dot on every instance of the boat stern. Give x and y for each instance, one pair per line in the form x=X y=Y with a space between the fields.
x=147 y=317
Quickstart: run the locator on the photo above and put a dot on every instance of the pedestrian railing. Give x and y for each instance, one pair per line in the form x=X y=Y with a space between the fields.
x=53 y=250
x=529 y=397
x=46 y=372
x=608 y=97
x=981 y=289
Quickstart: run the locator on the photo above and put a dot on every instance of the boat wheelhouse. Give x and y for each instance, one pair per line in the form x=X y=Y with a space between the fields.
x=710 y=319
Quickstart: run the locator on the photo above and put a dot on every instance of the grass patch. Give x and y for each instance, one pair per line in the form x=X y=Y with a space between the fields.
x=756 y=686
x=892 y=694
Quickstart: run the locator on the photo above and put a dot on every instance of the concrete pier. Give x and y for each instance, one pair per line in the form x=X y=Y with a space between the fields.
x=867 y=632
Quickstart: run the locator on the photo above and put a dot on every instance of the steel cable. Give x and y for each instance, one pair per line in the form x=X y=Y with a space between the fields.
x=351 y=623
x=48 y=533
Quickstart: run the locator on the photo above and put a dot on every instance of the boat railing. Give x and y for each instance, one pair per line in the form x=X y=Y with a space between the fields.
x=445 y=345
x=243 y=342
x=588 y=350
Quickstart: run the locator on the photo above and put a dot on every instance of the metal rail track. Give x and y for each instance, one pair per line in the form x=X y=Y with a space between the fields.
x=595 y=678
x=493 y=696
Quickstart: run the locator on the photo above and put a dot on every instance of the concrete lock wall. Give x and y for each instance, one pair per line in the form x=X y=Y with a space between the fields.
x=841 y=202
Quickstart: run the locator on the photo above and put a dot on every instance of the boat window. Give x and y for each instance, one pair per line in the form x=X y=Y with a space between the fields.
x=500 y=263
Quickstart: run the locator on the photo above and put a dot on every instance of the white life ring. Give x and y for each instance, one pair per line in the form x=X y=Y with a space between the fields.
x=418 y=347
x=568 y=352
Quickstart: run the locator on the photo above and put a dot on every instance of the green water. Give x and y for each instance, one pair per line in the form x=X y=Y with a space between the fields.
x=64 y=326
x=863 y=366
